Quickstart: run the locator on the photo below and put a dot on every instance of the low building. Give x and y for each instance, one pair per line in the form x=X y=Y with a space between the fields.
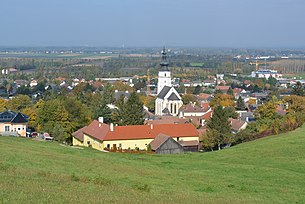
x=266 y=73
x=102 y=136
x=223 y=89
x=164 y=144
x=12 y=123
x=237 y=125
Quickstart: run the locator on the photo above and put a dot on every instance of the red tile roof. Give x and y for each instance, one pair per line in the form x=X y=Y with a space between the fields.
x=101 y=131
x=223 y=88
x=207 y=115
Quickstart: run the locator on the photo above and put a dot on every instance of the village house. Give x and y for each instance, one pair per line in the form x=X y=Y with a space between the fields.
x=12 y=123
x=237 y=125
x=102 y=136
x=223 y=89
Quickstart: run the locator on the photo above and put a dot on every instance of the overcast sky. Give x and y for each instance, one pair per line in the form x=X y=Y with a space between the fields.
x=199 y=23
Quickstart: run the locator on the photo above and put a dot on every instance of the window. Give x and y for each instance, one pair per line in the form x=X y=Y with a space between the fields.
x=15 y=129
x=7 y=128
x=88 y=142
x=120 y=145
x=108 y=146
x=177 y=138
x=18 y=128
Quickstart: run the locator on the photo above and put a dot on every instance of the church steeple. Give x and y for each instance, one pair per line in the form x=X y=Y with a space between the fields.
x=164 y=78
x=164 y=62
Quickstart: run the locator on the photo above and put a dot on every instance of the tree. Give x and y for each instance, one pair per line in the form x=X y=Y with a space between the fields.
x=266 y=111
x=187 y=98
x=230 y=112
x=240 y=104
x=197 y=90
x=105 y=112
x=108 y=94
x=295 y=103
x=51 y=113
x=218 y=127
x=120 y=86
x=230 y=92
x=19 y=102
x=222 y=100
x=133 y=111
x=78 y=114
x=298 y=89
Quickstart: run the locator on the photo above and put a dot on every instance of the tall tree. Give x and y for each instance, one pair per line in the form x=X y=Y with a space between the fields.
x=197 y=90
x=51 y=113
x=240 y=104
x=219 y=127
x=133 y=111
x=230 y=92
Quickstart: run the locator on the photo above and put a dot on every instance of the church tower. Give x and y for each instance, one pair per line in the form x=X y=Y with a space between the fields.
x=168 y=100
x=164 y=76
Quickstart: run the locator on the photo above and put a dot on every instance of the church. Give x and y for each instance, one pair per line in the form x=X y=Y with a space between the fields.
x=168 y=99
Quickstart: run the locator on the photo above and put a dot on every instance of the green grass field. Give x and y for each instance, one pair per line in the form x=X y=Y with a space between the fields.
x=269 y=170
x=196 y=64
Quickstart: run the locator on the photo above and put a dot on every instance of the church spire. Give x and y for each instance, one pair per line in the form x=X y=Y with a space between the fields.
x=164 y=63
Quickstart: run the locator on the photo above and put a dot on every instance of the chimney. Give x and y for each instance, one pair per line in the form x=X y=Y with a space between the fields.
x=111 y=127
x=151 y=126
x=101 y=119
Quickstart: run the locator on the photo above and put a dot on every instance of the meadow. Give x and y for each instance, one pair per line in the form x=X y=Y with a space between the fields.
x=268 y=170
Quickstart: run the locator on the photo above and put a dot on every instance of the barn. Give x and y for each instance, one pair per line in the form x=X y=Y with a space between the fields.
x=164 y=144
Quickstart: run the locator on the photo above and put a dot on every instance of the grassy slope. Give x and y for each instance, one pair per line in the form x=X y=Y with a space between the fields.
x=269 y=170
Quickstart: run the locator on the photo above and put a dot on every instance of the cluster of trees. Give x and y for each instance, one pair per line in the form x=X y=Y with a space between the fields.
x=62 y=114
x=269 y=122
x=273 y=117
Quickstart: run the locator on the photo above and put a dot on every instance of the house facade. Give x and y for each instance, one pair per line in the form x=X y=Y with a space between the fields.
x=12 y=123
x=102 y=136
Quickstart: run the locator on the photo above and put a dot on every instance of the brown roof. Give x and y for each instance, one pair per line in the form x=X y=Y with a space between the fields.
x=191 y=108
x=101 y=131
x=189 y=143
x=158 y=141
x=205 y=96
x=223 y=88
x=202 y=131
x=236 y=124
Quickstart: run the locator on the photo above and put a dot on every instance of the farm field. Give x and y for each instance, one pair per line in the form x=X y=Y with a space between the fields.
x=268 y=170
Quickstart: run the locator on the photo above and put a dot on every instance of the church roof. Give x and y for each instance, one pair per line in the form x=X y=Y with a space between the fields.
x=163 y=92
x=166 y=111
x=173 y=97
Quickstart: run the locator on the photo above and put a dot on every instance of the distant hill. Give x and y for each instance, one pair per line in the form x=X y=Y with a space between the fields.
x=268 y=170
